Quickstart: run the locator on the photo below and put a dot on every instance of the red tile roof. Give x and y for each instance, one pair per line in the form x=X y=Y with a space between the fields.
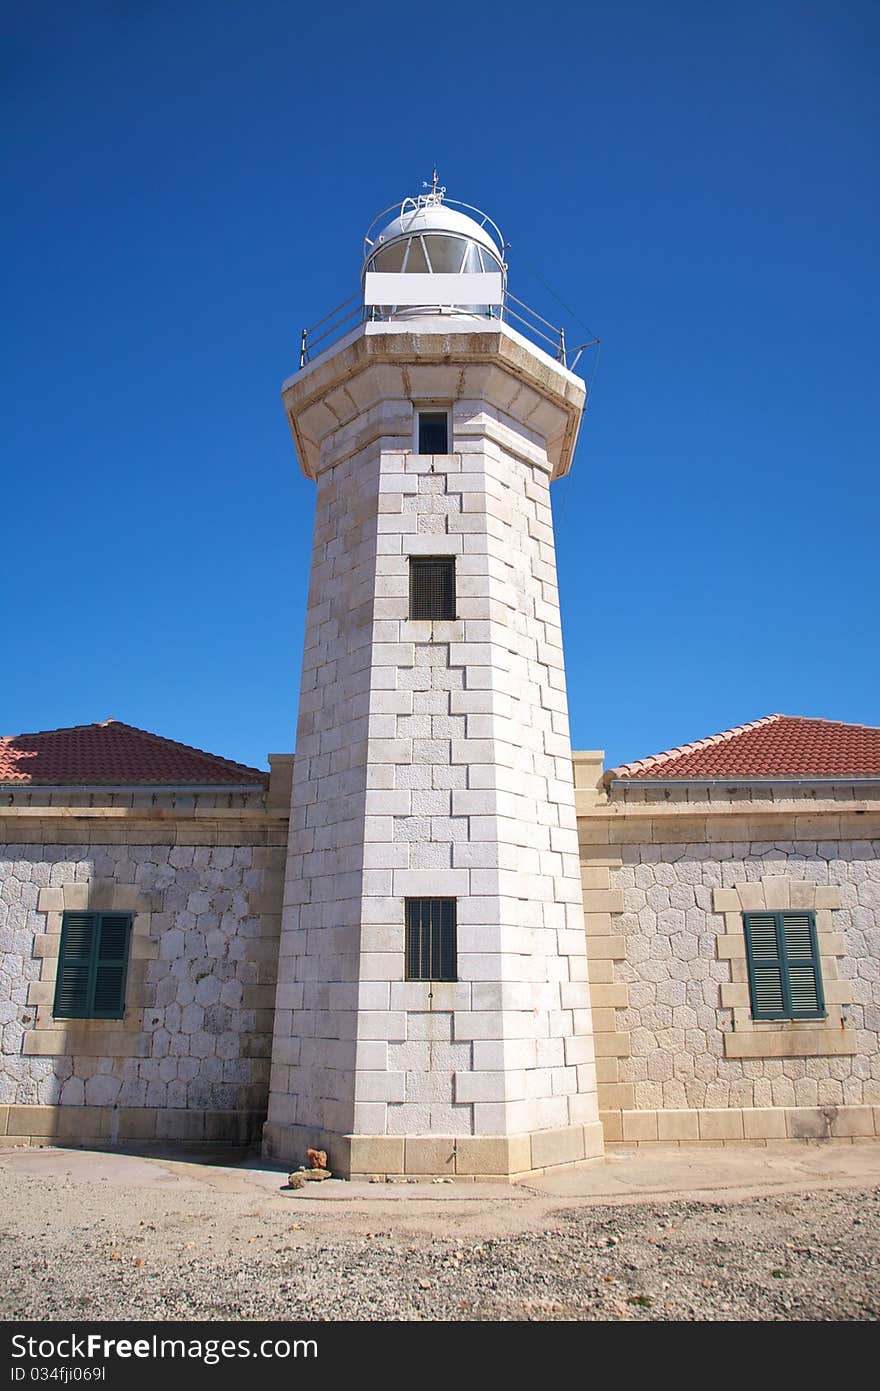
x=777 y=747
x=114 y=755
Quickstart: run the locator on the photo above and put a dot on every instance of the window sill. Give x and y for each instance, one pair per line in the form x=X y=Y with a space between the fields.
x=818 y=1041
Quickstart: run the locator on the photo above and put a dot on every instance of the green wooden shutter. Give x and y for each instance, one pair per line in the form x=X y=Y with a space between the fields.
x=798 y=940
x=111 y=966
x=765 y=966
x=785 y=976
x=75 y=959
x=92 y=966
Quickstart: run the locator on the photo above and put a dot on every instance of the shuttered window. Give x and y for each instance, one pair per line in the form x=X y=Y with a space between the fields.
x=785 y=976
x=92 y=966
x=432 y=586
x=430 y=939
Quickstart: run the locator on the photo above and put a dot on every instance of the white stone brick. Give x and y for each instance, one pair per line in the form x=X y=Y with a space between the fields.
x=439 y=883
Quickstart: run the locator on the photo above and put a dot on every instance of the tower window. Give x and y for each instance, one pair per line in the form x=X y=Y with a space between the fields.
x=92 y=966
x=433 y=432
x=785 y=976
x=432 y=586
x=430 y=939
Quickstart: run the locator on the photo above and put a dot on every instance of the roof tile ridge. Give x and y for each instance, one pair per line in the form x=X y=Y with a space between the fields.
x=639 y=764
x=840 y=724
x=188 y=748
x=41 y=733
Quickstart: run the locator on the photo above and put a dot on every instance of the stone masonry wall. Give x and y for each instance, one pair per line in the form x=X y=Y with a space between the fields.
x=433 y=760
x=676 y=984
x=197 y=1029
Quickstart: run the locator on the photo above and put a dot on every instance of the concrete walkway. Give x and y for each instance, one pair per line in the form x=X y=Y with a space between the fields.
x=624 y=1176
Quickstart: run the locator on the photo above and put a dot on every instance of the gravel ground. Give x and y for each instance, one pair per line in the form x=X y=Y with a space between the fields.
x=78 y=1250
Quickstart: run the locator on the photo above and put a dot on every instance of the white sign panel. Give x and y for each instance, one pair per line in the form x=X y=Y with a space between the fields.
x=383 y=288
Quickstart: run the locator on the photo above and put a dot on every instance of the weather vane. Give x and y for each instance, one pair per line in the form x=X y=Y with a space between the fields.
x=436 y=194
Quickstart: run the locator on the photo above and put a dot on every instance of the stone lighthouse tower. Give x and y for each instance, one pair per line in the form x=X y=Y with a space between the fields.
x=433 y=1009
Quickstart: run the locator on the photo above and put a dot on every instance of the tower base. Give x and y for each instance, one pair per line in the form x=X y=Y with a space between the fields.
x=499 y=1157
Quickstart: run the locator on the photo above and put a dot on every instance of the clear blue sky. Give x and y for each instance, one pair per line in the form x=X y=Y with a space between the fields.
x=188 y=184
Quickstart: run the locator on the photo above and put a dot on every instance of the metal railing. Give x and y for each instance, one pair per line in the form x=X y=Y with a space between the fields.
x=352 y=312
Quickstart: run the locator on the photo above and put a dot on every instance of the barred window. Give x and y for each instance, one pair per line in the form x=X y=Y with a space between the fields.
x=433 y=432
x=430 y=939
x=432 y=586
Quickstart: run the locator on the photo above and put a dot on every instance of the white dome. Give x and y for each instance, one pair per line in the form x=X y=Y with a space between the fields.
x=435 y=218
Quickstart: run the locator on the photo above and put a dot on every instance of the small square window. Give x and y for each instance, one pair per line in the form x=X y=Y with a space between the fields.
x=92 y=966
x=432 y=586
x=433 y=432
x=430 y=939
x=785 y=973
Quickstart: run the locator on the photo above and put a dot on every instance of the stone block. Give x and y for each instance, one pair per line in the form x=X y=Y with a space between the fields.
x=429 y=1155
x=608 y=948
x=677 y=1125
x=776 y=894
x=180 y=1125
x=802 y=894
x=552 y=1147
x=639 y=1125
x=381 y=1086
x=40 y=1121
x=376 y=1154
x=734 y=993
x=612 y=1126
x=609 y=996
x=50 y=900
x=75 y=897
x=808 y=1123
x=594 y=1140
x=617 y=1096
x=137 y=1123
x=483 y=1155
x=607 y=1070
x=853 y=1120
x=725 y=901
x=597 y=925
x=790 y=1043
x=763 y=1123
x=751 y=896
x=603 y=901
x=827 y=896
x=721 y=1125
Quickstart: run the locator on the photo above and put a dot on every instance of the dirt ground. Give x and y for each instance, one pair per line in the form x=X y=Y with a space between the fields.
x=779 y=1233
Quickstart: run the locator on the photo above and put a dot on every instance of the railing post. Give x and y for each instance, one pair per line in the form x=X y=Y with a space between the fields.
x=303 y=348
x=560 y=357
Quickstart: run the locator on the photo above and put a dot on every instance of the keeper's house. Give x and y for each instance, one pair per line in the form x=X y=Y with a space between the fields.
x=732 y=910
x=140 y=901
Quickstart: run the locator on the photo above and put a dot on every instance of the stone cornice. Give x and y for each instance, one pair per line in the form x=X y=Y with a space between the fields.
x=332 y=392
x=618 y=824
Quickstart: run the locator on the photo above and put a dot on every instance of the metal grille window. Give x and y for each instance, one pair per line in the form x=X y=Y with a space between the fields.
x=785 y=976
x=433 y=432
x=432 y=586
x=92 y=966
x=430 y=939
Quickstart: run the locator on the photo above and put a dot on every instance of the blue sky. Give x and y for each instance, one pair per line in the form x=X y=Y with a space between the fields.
x=190 y=185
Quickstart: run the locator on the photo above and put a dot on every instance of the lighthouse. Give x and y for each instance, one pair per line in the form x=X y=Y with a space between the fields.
x=433 y=1008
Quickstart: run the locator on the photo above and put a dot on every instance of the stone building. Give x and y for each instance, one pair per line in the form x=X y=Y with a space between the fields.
x=164 y=865
x=732 y=895
x=438 y=941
